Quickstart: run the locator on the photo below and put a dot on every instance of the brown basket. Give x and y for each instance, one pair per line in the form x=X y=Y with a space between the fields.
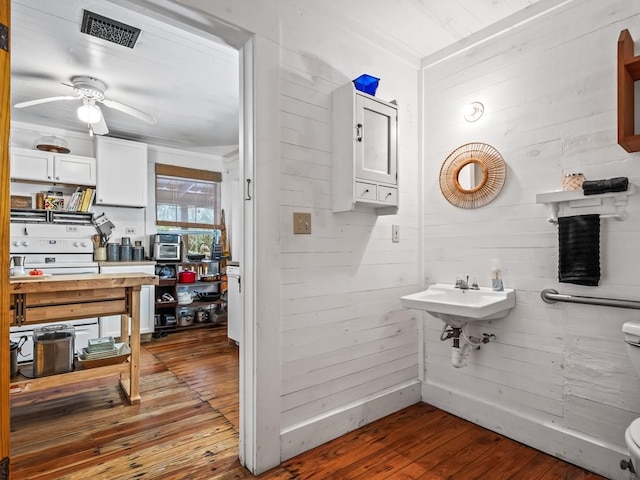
x=209 y=278
x=573 y=181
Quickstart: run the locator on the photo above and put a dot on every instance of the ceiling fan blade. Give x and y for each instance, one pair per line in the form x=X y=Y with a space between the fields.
x=145 y=117
x=100 y=127
x=44 y=100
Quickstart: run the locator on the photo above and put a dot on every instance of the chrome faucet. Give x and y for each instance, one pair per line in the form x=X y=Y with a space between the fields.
x=462 y=284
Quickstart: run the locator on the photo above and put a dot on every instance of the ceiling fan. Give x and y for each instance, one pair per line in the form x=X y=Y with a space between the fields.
x=91 y=91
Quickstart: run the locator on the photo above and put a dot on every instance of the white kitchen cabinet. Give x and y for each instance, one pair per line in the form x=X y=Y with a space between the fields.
x=122 y=172
x=49 y=167
x=110 y=325
x=365 y=152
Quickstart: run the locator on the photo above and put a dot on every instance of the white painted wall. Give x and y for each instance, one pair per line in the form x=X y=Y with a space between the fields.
x=558 y=377
x=346 y=343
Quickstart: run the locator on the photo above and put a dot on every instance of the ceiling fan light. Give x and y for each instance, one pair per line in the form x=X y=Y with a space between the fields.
x=89 y=113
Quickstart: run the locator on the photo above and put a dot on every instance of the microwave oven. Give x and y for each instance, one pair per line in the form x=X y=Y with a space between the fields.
x=166 y=238
x=166 y=251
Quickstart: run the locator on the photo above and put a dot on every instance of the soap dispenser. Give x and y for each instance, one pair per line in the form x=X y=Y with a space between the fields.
x=496 y=276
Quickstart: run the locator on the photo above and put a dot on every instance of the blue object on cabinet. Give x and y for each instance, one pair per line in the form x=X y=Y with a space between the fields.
x=367 y=84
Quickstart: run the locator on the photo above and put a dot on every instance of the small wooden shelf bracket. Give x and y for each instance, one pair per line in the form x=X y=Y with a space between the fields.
x=628 y=74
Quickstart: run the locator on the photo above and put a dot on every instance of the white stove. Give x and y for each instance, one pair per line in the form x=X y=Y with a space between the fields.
x=58 y=248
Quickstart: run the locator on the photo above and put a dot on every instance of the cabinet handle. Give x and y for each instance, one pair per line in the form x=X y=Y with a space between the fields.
x=248 y=197
x=57 y=178
x=359 y=132
x=366 y=191
x=388 y=195
x=49 y=177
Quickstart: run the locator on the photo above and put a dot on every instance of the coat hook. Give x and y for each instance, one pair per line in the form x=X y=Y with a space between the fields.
x=248 y=197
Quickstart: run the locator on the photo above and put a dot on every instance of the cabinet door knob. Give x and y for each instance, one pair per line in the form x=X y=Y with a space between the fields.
x=57 y=178
x=359 y=132
x=49 y=177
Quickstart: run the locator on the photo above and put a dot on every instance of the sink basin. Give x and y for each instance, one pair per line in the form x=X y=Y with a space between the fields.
x=457 y=307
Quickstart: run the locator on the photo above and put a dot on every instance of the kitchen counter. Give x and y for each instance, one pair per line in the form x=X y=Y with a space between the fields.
x=126 y=264
x=45 y=299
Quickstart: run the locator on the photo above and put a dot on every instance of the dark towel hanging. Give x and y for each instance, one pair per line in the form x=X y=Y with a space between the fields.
x=616 y=184
x=579 y=249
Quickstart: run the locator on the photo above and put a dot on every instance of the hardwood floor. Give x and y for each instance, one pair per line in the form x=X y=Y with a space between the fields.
x=186 y=428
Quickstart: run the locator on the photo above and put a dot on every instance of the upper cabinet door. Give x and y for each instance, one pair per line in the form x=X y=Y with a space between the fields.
x=48 y=167
x=376 y=140
x=122 y=172
x=74 y=170
x=33 y=165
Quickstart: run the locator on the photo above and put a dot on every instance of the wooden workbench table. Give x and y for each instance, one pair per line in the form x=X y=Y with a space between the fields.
x=69 y=297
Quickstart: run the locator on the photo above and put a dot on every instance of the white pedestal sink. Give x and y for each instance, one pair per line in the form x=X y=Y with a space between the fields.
x=457 y=307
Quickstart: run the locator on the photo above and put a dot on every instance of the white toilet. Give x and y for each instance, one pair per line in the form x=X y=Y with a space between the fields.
x=632 y=434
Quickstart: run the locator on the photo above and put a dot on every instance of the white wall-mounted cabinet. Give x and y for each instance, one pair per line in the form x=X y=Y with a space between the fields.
x=365 y=152
x=110 y=325
x=49 y=167
x=122 y=172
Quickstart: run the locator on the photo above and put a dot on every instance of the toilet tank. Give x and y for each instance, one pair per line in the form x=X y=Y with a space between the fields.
x=631 y=332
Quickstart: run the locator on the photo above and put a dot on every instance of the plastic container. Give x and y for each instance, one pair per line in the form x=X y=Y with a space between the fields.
x=367 y=84
x=496 y=276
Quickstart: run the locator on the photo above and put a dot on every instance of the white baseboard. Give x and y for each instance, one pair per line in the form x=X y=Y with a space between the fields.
x=316 y=431
x=574 y=447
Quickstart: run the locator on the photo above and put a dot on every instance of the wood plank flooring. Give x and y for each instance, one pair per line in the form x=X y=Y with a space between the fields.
x=186 y=429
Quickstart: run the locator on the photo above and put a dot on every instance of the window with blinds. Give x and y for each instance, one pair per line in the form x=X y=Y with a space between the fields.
x=188 y=198
x=188 y=202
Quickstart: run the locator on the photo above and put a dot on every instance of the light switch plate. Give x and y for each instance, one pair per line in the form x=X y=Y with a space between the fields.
x=395 y=233
x=301 y=222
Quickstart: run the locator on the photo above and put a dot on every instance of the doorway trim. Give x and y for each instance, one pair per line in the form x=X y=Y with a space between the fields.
x=254 y=31
x=259 y=436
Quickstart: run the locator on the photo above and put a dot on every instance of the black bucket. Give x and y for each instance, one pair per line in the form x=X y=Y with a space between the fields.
x=14 y=349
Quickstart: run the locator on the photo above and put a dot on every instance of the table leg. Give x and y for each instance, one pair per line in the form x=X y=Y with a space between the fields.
x=132 y=386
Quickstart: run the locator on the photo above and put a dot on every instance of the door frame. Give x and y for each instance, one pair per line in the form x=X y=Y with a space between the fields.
x=259 y=445
x=5 y=364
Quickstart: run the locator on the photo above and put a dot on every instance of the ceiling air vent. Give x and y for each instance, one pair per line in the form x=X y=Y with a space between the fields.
x=109 y=29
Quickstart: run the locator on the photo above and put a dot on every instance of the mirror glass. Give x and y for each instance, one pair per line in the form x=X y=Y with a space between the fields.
x=470 y=176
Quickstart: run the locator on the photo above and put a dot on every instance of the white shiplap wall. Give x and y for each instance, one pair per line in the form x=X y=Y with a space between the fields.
x=558 y=377
x=348 y=350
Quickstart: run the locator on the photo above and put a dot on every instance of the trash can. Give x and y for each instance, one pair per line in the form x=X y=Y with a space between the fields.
x=53 y=349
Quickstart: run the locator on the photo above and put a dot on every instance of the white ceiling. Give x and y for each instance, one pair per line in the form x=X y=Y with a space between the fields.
x=189 y=82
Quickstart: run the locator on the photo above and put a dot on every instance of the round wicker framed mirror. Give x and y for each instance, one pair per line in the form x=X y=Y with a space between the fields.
x=472 y=175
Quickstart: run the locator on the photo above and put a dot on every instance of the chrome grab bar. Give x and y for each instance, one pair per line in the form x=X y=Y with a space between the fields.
x=549 y=295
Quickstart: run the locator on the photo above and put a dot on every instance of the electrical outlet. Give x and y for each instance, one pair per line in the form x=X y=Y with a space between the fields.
x=72 y=229
x=130 y=231
x=301 y=222
x=395 y=233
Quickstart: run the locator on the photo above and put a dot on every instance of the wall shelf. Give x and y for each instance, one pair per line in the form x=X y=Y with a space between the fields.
x=565 y=203
x=628 y=74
